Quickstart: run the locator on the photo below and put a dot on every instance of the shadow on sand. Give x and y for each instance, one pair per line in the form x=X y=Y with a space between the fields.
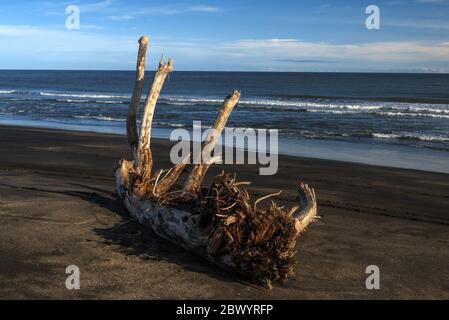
x=135 y=239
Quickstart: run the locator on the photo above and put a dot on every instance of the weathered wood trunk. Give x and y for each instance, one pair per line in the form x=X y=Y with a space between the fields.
x=218 y=223
x=131 y=128
x=144 y=156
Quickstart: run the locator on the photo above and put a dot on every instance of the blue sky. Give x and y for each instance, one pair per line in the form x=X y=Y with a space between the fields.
x=228 y=35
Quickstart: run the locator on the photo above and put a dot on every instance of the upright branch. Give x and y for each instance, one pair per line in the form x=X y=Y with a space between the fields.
x=196 y=176
x=144 y=157
x=174 y=174
x=131 y=125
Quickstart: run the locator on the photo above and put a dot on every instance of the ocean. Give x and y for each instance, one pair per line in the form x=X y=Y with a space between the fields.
x=385 y=119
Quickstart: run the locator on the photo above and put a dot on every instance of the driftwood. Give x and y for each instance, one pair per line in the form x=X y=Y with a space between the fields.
x=220 y=223
x=131 y=127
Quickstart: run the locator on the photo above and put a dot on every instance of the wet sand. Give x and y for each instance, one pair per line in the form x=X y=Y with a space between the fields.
x=58 y=208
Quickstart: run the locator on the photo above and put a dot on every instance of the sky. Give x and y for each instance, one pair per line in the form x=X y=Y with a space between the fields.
x=243 y=35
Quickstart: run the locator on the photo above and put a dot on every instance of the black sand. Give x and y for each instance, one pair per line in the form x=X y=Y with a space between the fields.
x=58 y=207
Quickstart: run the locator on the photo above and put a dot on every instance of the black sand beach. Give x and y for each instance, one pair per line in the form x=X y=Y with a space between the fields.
x=58 y=208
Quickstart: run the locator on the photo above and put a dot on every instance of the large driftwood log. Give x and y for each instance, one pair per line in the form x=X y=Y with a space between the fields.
x=220 y=223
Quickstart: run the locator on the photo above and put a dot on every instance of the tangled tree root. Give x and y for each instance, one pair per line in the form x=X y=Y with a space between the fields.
x=261 y=243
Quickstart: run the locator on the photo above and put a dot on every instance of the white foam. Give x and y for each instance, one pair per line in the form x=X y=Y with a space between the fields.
x=412 y=136
x=388 y=109
x=382 y=108
x=408 y=114
x=71 y=100
x=173 y=125
x=101 y=118
x=79 y=95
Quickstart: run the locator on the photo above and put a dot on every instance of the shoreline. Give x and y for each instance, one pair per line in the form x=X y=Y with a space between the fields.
x=374 y=154
x=58 y=207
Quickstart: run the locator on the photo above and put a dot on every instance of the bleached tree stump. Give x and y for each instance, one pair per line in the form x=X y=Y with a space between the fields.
x=220 y=223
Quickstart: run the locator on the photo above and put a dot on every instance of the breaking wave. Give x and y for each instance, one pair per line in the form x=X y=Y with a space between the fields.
x=81 y=95
x=410 y=136
x=312 y=118
x=337 y=107
x=101 y=118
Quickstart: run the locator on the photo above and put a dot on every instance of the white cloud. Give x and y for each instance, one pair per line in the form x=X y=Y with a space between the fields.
x=442 y=25
x=202 y=8
x=433 y=1
x=122 y=17
x=95 y=6
x=88 y=49
x=379 y=51
x=431 y=70
x=29 y=47
x=33 y=39
x=174 y=9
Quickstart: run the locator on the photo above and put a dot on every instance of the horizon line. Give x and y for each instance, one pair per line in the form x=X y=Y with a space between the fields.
x=236 y=71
